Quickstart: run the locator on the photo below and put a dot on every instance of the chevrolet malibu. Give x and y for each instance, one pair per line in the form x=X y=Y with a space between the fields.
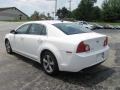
x=58 y=45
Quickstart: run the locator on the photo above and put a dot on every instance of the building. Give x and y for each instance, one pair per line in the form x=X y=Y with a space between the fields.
x=12 y=13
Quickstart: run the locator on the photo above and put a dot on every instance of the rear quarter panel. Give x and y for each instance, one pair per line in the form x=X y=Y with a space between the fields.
x=57 y=46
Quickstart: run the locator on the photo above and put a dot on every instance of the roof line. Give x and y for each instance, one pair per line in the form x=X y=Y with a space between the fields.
x=2 y=9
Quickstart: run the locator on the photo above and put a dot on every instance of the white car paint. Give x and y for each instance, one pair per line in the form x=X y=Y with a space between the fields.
x=61 y=45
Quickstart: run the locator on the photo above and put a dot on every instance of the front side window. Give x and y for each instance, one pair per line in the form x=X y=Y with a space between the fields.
x=37 y=29
x=71 y=28
x=23 y=29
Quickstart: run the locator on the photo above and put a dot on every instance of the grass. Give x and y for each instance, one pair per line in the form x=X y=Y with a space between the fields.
x=103 y=23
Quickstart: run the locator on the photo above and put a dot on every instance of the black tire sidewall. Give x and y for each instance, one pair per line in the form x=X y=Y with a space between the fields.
x=10 y=47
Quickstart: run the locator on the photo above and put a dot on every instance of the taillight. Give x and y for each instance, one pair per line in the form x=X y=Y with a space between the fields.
x=106 y=41
x=82 y=47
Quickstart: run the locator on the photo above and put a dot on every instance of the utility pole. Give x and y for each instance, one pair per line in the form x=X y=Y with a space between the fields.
x=55 y=7
x=70 y=1
x=53 y=14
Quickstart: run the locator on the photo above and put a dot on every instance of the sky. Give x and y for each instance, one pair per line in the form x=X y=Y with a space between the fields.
x=42 y=6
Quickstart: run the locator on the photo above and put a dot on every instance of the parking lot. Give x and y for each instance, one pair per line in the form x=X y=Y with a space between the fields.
x=20 y=73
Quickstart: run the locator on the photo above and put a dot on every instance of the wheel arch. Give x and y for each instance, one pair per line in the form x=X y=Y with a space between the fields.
x=56 y=55
x=43 y=51
x=6 y=39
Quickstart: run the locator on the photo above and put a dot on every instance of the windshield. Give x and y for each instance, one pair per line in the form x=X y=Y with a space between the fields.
x=71 y=28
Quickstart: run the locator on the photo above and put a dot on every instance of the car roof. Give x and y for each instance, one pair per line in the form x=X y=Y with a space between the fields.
x=49 y=22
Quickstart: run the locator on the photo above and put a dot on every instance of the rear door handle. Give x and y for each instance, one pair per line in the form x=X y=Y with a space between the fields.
x=40 y=41
x=22 y=38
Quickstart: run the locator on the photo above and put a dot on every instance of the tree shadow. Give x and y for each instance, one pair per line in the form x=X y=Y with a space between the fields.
x=88 y=77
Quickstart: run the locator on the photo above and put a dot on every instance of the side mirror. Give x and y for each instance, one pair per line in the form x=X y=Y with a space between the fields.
x=13 y=31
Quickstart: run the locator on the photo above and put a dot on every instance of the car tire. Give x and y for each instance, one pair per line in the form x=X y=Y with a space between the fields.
x=49 y=63
x=8 y=47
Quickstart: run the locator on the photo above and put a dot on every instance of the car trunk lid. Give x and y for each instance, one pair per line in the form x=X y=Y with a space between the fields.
x=94 y=40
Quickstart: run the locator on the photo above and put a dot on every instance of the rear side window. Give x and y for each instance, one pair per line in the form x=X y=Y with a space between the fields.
x=71 y=28
x=37 y=29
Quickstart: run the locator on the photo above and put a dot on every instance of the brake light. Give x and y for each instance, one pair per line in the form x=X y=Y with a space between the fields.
x=106 y=42
x=82 y=47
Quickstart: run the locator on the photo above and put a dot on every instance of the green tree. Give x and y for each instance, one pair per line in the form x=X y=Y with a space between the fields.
x=96 y=15
x=42 y=16
x=63 y=13
x=111 y=10
x=48 y=16
x=85 y=10
x=35 y=15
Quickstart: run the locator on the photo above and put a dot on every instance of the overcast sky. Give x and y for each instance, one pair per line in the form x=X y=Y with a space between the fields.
x=29 y=6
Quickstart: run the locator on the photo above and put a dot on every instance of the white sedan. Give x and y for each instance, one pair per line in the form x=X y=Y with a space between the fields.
x=58 y=46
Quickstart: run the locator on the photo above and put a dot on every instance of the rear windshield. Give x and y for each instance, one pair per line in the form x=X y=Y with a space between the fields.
x=71 y=28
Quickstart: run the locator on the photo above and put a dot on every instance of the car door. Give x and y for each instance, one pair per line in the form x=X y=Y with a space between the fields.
x=35 y=37
x=19 y=38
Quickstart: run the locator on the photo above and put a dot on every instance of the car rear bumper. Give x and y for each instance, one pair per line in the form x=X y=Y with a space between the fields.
x=76 y=62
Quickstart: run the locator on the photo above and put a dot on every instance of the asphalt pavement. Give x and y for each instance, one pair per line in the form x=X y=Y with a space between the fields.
x=20 y=73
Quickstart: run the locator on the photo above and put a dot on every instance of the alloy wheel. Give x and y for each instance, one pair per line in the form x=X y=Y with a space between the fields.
x=48 y=64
